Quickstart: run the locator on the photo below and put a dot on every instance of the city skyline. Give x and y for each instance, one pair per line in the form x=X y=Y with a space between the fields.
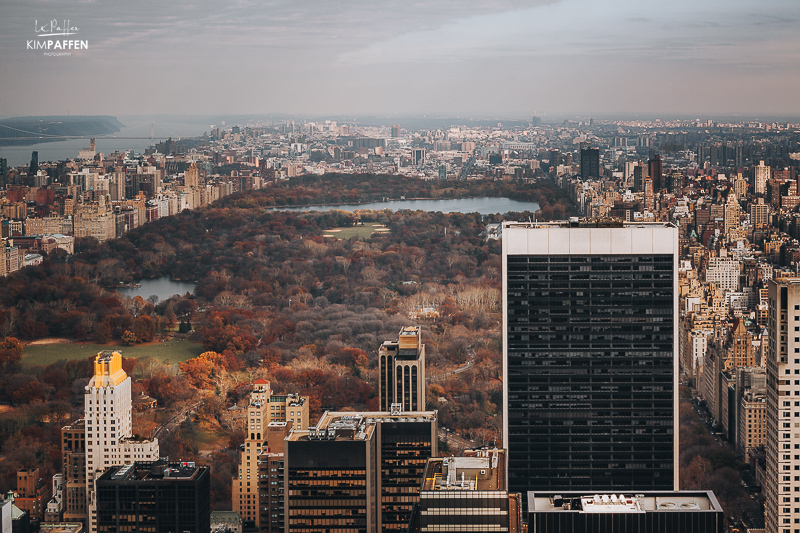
x=505 y=58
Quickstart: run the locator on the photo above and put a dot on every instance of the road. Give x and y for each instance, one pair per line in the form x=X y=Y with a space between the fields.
x=170 y=425
x=455 y=441
x=466 y=366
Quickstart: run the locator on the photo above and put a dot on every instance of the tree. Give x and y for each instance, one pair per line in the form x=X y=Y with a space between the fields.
x=129 y=338
x=203 y=370
x=10 y=353
x=144 y=328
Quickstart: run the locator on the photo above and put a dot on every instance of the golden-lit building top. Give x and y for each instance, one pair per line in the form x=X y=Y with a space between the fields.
x=108 y=369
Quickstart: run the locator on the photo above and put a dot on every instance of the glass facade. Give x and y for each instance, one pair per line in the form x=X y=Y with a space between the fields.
x=464 y=511
x=329 y=487
x=590 y=372
x=405 y=449
x=156 y=505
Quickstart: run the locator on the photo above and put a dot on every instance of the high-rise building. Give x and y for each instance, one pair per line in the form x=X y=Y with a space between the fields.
x=782 y=482
x=406 y=441
x=396 y=131
x=467 y=494
x=109 y=427
x=265 y=414
x=157 y=496
x=740 y=186
x=732 y=210
x=761 y=174
x=401 y=371
x=271 y=470
x=643 y=512
x=191 y=177
x=639 y=175
x=73 y=457
x=417 y=156
x=3 y=171
x=759 y=214
x=34 y=166
x=654 y=169
x=649 y=197
x=357 y=471
x=590 y=355
x=590 y=163
x=330 y=480
x=32 y=493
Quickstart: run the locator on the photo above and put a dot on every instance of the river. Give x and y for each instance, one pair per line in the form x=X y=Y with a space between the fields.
x=484 y=206
x=62 y=150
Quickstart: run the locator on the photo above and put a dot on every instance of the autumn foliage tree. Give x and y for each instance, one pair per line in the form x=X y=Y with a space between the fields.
x=204 y=369
x=10 y=353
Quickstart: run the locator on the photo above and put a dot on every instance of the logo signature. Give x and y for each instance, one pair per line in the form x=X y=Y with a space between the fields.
x=53 y=28
x=56 y=47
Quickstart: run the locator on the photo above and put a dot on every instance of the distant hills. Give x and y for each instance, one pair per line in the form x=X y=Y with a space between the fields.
x=12 y=128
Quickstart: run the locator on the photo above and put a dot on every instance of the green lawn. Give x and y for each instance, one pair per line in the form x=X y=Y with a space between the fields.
x=174 y=351
x=364 y=231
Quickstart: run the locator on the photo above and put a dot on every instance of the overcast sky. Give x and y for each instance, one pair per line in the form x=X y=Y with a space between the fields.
x=505 y=58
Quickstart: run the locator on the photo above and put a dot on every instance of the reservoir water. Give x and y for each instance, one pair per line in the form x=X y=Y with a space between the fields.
x=484 y=206
x=162 y=287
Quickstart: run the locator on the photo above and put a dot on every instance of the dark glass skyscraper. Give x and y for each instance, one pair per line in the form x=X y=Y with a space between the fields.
x=656 y=173
x=156 y=497
x=590 y=163
x=34 y=167
x=589 y=357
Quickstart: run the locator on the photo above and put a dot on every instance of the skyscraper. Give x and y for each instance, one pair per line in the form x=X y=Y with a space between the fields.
x=467 y=494
x=109 y=428
x=357 y=471
x=639 y=175
x=590 y=163
x=34 y=166
x=154 y=496
x=655 y=171
x=782 y=483
x=401 y=371
x=761 y=174
x=264 y=410
x=589 y=356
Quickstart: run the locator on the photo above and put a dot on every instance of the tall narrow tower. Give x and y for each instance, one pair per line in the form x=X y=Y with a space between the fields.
x=401 y=368
x=761 y=174
x=267 y=416
x=590 y=360
x=782 y=483
x=109 y=440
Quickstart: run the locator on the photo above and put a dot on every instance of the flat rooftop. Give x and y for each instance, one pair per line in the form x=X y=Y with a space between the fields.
x=337 y=425
x=632 y=502
x=482 y=470
x=153 y=471
x=343 y=417
x=576 y=222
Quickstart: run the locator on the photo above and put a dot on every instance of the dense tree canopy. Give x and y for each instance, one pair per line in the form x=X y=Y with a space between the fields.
x=274 y=298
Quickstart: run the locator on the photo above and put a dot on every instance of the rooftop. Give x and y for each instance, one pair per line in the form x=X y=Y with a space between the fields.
x=341 y=426
x=410 y=330
x=576 y=222
x=638 y=502
x=157 y=470
x=66 y=527
x=336 y=418
x=482 y=469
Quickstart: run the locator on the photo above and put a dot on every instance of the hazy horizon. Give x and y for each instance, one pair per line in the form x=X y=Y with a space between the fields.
x=489 y=59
